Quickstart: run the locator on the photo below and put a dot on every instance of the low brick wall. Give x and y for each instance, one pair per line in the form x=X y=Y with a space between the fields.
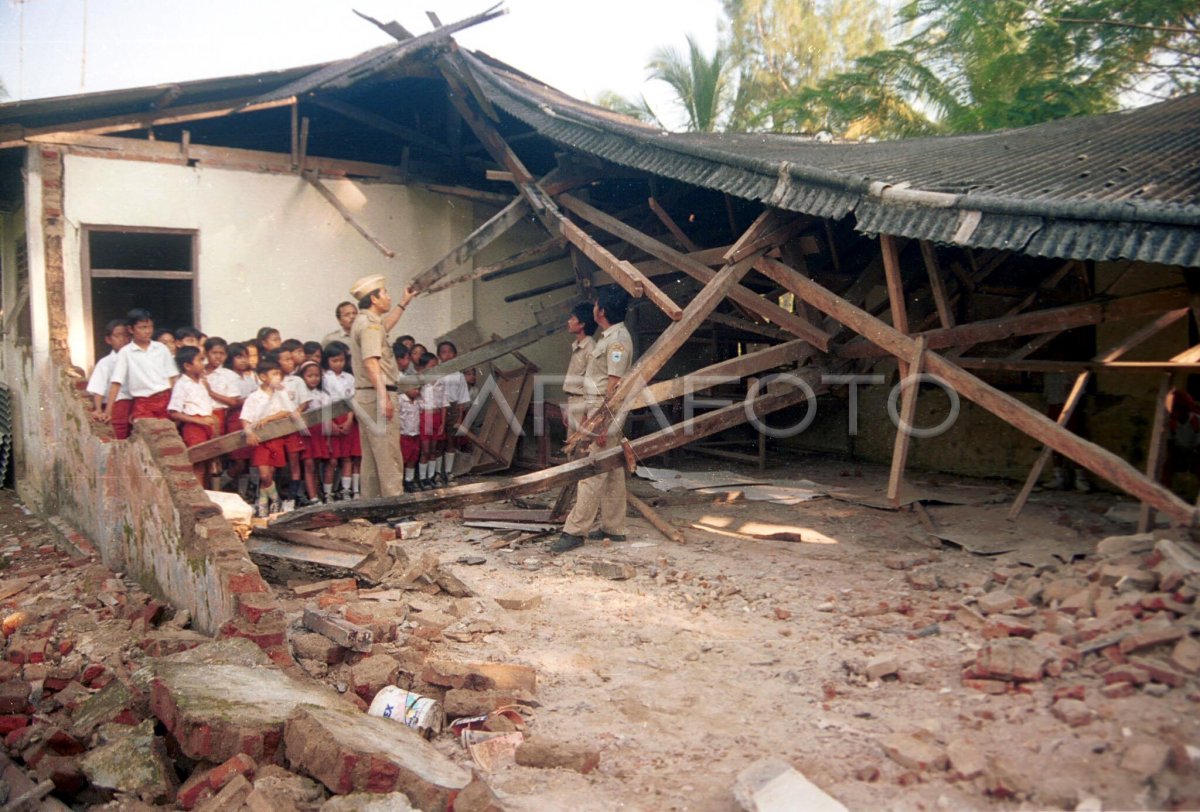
x=142 y=508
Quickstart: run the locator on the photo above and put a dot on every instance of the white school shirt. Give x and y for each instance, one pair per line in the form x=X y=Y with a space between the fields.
x=224 y=381
x=247 y=384
x=339 y=385
x=410 y=416
x=102 y=376
x=144 y=372
x=299 y=390
x=260 y=404
x=433 y=395
x=190 y=397
x=456 y=389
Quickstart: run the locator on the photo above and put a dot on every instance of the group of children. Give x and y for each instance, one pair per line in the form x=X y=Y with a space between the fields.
x=210 y=387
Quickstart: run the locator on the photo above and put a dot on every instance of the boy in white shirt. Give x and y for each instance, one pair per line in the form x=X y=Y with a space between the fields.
x=410 y=436
x=191 y=407
x=145 y=369
x=271 y=401
x=116 y=336
x=458 y=399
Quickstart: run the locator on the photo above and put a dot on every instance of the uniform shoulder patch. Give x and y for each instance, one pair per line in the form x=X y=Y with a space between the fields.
x=616 y=351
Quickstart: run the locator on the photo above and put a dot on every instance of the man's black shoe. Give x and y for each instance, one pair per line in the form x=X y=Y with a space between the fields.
x=428 y=484
x=565 y=542
x=409 y=486
x=600 y=535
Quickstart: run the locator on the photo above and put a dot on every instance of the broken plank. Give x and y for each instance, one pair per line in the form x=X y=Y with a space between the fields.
x=227 y=443
x=624 y=273
x=535 y=257
x=507 y=515
x=477 y=493
x=673 y=227
x=669 y=531
x=325 y=192
x=533 y=527
x=480 y=238
x=306 y=538
x=282 y=562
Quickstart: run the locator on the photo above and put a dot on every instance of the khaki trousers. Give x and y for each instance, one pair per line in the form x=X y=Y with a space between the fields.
x=382 y=462
x=602 y=495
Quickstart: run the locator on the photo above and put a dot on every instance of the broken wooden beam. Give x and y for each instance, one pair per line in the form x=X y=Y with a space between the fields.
x=1029 y=421
x=339 y=630
x=796 y=325
x=480 y=238
x=624 y=273
x=684 y=241
x=904 y=431
x=1157 y=454
x=325 y=192
x=535 y=257
x=379 y=509
x=282 y=427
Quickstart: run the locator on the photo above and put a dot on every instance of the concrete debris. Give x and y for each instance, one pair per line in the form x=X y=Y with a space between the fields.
x=135 y=763
x=613 y=570
x=370 y=802
x=771 y=785
x=913 y=752
x=966 y=760
x=557 y=755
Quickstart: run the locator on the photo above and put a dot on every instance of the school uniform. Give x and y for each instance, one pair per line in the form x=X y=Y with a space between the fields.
x=98 y=385
x=258 y=406
x=247 y=385
x=410 y=429
x=146 y=373
x=191 y=398
x=226 y=383
x=433 y=410
x=340 y=386
x=300 y=394
x=316 y=444
x=457 y=394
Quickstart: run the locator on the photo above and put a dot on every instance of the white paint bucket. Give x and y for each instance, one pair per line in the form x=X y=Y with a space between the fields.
x=421 y=713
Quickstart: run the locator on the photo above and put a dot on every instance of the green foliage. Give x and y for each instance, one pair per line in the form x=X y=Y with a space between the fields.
x=971 y=66
x=639 y=108
x=698 y=81
x=779 y=47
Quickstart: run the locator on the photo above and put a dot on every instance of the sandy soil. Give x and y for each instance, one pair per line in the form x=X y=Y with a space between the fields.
x=723 y=650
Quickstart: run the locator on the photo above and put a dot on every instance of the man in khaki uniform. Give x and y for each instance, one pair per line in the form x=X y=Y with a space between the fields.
x=581 y=325
x=608 y=362
x=375 y=377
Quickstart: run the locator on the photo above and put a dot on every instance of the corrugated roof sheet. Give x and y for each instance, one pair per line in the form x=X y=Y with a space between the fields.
x=1123 y=185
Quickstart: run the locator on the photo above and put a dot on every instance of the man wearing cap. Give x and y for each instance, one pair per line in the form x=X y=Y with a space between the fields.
x=375 y=377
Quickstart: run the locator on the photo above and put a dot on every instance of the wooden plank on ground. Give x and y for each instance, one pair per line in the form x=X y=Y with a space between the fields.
x=479 y=493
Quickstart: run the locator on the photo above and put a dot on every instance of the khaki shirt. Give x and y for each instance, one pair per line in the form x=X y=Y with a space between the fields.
x=612 y=355
x=575 y=384
x=368 y=339
x=337 y=335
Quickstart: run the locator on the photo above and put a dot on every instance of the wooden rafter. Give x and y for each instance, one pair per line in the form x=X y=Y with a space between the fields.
x=937 y=284
x=624 y=273
x=315 y=181
x=497 y=225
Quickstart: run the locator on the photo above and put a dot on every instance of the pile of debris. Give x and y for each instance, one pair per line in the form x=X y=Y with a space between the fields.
x=107 y=700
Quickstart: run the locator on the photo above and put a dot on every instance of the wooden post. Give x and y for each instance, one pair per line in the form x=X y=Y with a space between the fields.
x=1098 y=460
x=295 y=111
x=303 y=154
x=937 y=284
x=1157 y=450
x=908 y=413
x=669 y=531
x=312 y=178
x=895 y=287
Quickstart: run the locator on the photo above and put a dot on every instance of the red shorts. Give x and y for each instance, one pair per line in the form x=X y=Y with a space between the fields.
x=293 y=443
x=120 y=418
x=194 y=434
x=410 y=449
x=233 y=422
x=152 y=406
x=270 y=452
x=316 y=446
x=222 y=421
x=345 y=445
x=433 y=425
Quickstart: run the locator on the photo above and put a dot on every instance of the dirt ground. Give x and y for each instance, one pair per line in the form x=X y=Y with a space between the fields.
x=722 y=651
x=728 y=649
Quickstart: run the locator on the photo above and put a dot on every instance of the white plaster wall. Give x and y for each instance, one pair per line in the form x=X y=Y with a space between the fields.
x=271 y=249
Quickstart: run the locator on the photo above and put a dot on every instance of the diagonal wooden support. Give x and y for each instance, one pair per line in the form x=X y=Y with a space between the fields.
x=615 y=406
x=684 y=241
x=696 y=269
x=477 y=493
x=1100 y=461
x=497 y=225
x=315 y=182
x=1075 y=397
x=1157 y=451
x=908 y=413
x=624 y=273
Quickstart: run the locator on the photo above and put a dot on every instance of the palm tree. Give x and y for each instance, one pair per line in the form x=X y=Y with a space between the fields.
x=698 y=81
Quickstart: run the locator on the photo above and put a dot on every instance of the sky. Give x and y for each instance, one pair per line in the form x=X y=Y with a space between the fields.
x=582 y=48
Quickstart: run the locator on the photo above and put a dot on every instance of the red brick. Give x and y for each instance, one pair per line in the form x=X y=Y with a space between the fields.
x=13 y=722
x=1126 y=673
x=255 y=607
x=1160 y=671
x=14 y=696
x=1147 y=638
x=1118 y=690
x=247 y=582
